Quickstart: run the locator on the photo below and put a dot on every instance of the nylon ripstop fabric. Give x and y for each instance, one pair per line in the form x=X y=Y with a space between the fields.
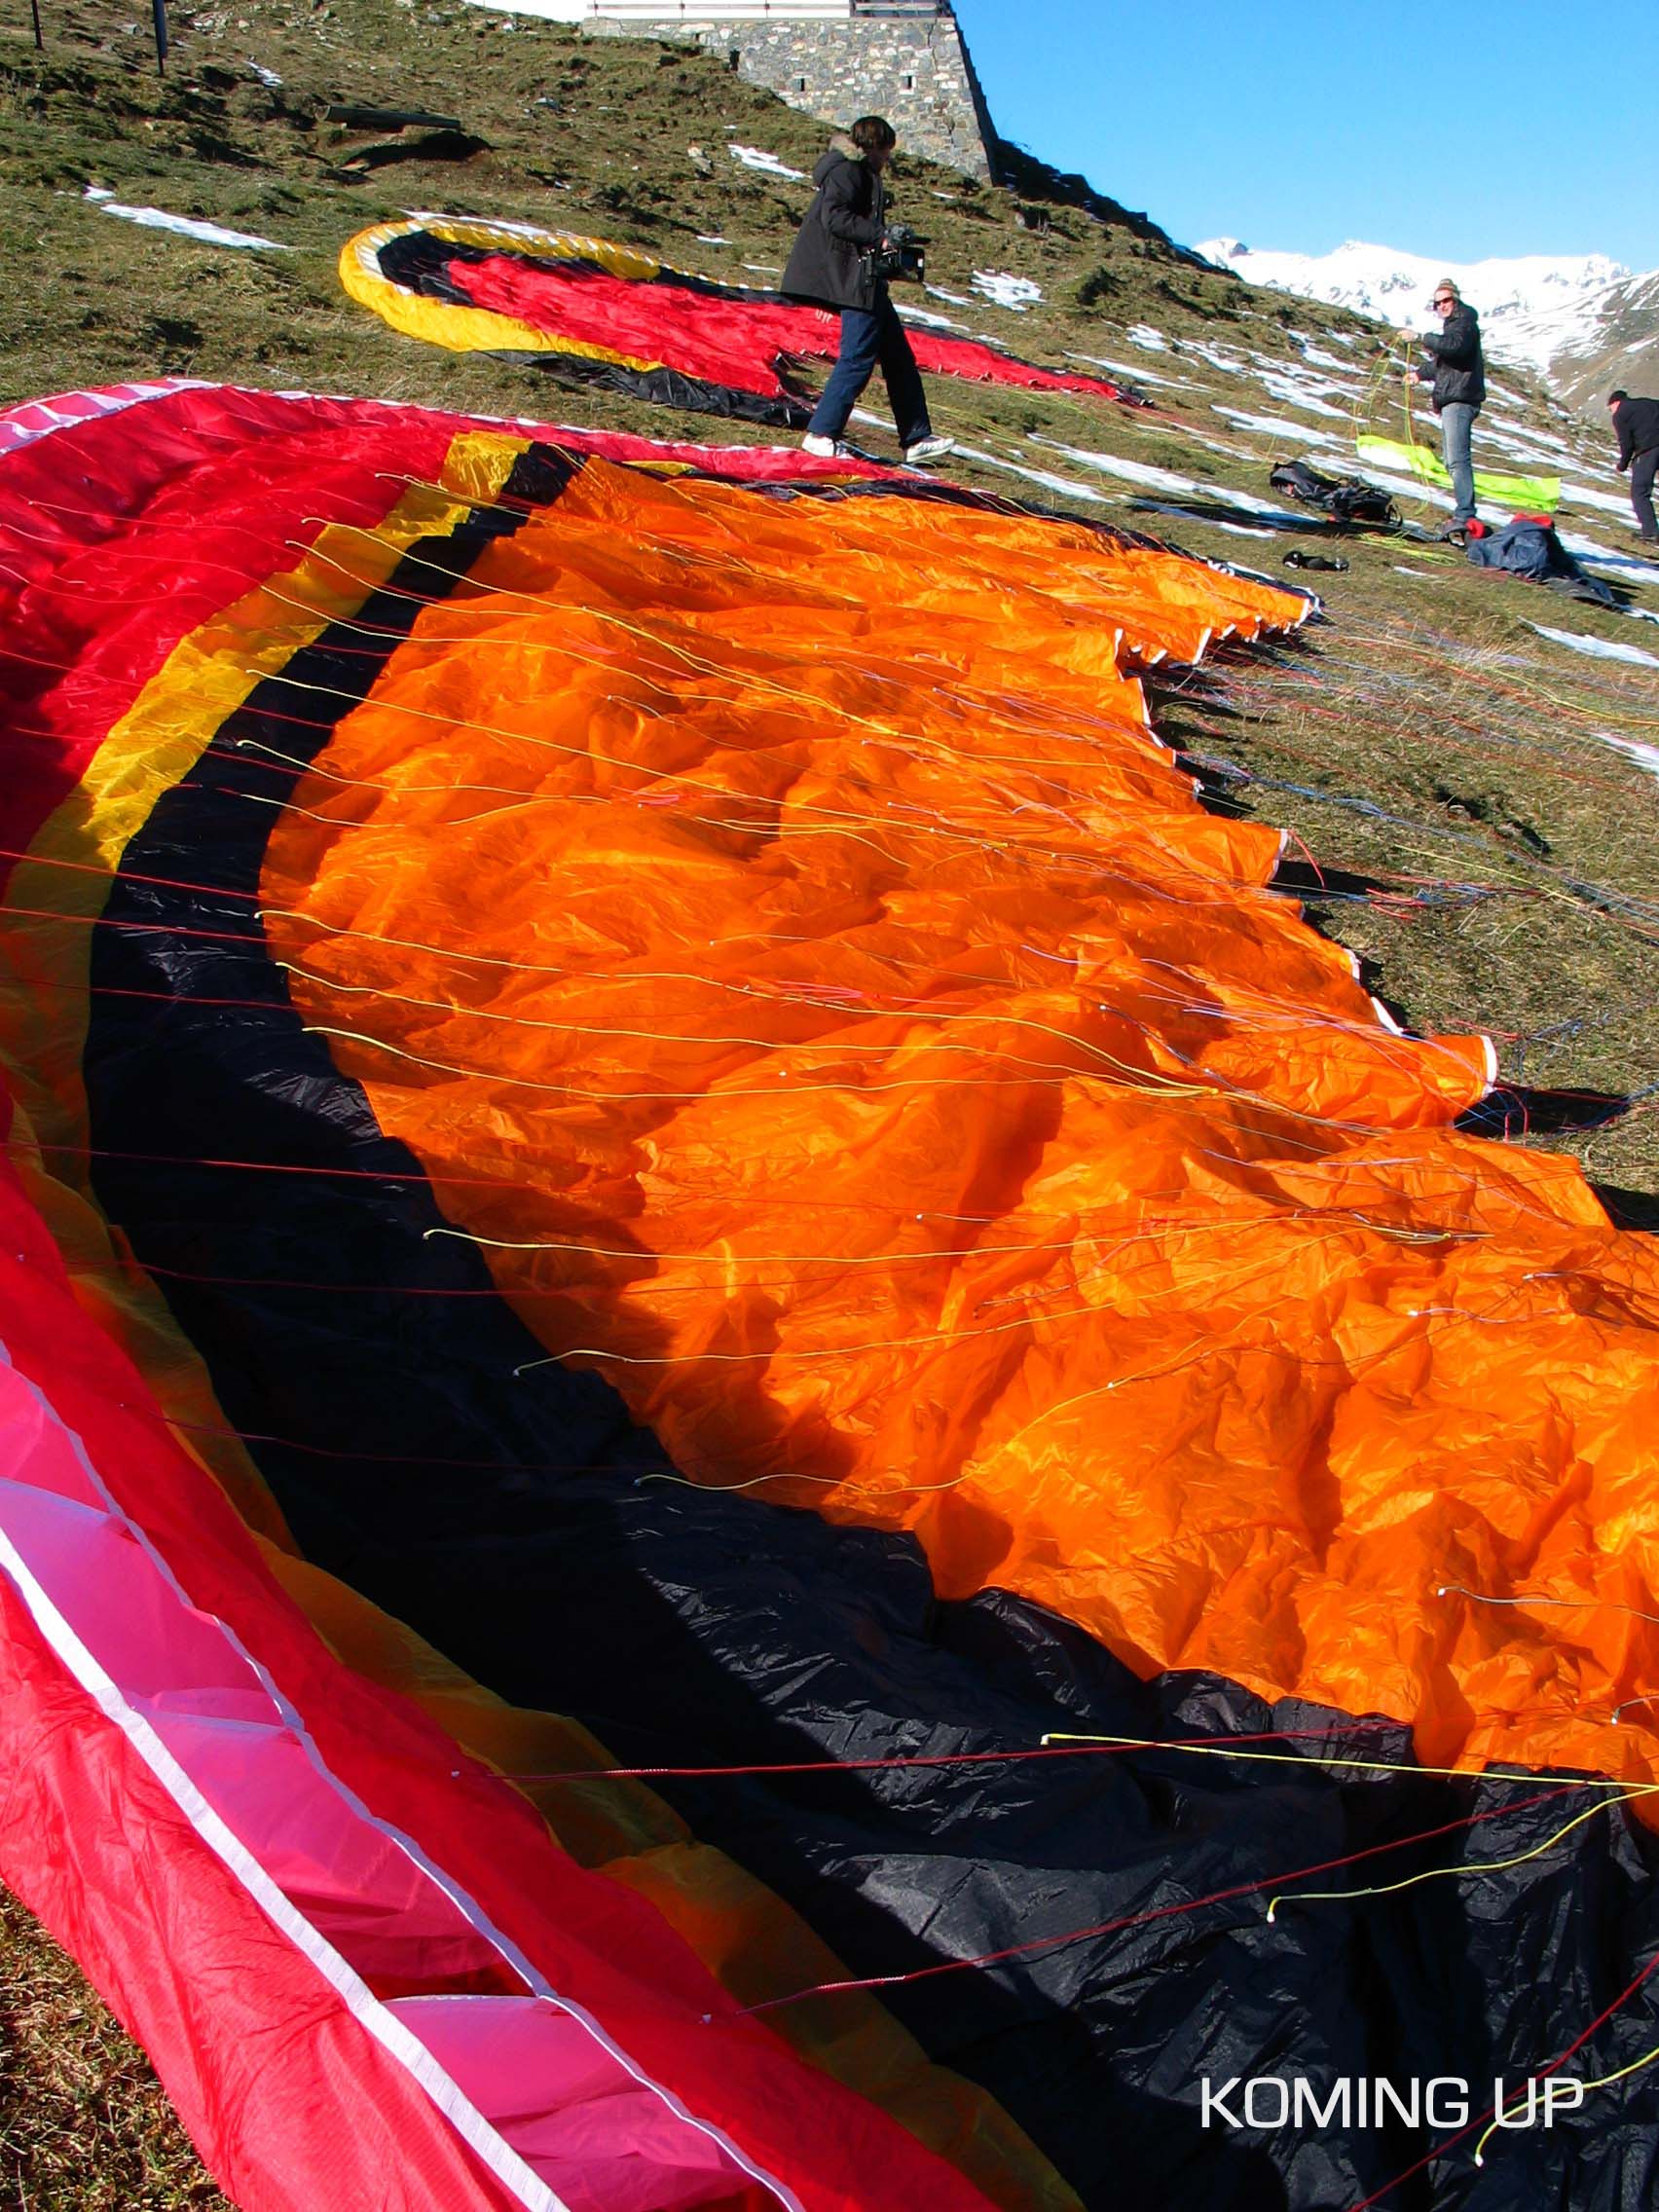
x=664 y=1138
x=608 y=313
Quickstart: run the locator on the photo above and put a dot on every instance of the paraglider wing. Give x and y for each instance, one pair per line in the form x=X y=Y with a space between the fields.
x=742 y=1394
x=613 y=315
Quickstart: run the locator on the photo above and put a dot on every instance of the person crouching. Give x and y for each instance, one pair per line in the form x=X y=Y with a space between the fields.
x=831 y=265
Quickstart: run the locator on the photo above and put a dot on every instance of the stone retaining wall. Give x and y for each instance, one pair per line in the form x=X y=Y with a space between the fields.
x=914 y=68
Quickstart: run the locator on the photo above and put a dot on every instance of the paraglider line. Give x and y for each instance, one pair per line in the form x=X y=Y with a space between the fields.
x=1464 y=1873
x=934 y=1758
x=1049 y=1943
x=1577 y=2044
x=1570 y=1604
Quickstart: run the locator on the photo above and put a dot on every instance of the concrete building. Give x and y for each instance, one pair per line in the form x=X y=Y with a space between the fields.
x=834 y=58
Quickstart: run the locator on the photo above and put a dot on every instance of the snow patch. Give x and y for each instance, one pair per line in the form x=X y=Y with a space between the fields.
x=1645 y=755
x=1275 y=426
x=185 y=226
x=1581 y=496
x=1066 y=486
x=1166 y=480
x=1285 y=387
x=756 y=157
x=1143 y=334
x=1186 y=514
x=1004 y=290
x=1126 y=369
x=1604 y=556
x=1222 y=358
x=1598 y=649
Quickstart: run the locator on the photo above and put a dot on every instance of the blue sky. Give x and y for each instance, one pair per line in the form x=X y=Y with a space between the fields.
x=1504 y=128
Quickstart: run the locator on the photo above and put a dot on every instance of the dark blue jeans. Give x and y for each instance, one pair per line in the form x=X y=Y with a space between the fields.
x=866 y=340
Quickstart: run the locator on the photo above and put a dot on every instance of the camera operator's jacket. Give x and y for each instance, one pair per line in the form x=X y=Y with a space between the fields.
x=847 y=220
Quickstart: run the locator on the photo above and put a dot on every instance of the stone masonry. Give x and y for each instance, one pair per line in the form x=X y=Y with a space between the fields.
x=911 y=65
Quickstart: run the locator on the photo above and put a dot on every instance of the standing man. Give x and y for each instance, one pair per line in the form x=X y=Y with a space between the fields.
x=1637 y=422
x=832 y=265
x=1457 y=375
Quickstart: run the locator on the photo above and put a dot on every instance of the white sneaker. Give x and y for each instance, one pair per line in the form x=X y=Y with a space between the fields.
x=823 y=448
x=926 y=450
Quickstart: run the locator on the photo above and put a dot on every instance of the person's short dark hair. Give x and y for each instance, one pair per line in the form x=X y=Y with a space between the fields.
x=1613 y=397
x=874 y=135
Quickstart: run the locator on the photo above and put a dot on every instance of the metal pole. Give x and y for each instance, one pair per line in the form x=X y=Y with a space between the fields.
x=161 y=12
x=34 y=10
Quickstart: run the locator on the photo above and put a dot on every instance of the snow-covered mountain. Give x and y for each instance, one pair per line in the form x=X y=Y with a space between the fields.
x=1569 y=317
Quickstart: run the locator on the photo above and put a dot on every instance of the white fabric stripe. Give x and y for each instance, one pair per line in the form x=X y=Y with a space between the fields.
x=469 y=1910
x=533 y=1979
x=366 y=2009
x=107 y=402
x=465 y=1905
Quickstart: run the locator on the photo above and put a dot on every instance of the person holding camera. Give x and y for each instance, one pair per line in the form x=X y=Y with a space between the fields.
x=842 y=257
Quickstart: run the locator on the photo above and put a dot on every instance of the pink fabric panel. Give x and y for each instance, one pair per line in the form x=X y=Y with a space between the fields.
x=595 y=2135
x=30 y=1437
x=387 y=1916
x=107 y=1586
x=259 y=2055
x=353 y=1882
x=358 y=1888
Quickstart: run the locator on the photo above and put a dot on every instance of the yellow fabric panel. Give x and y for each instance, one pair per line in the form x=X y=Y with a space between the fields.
x=45 y=964
x=473 y=330
x=743 y=1933
x=907 y=1095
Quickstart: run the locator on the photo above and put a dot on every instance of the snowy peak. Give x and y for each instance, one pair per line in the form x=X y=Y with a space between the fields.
x=1532 y=308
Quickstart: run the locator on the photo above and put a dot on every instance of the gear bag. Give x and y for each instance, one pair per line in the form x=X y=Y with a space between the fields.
x=1346 y=501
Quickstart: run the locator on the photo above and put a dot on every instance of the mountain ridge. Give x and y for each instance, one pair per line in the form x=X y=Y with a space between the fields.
x=1582 y=321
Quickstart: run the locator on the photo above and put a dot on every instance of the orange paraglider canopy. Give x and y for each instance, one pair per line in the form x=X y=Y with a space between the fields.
x=765 y=1449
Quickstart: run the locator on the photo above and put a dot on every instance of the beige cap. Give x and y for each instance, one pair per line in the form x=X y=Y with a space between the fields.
x=1448 y=284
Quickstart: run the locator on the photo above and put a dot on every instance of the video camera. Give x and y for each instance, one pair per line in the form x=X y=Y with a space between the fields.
x=901 y=258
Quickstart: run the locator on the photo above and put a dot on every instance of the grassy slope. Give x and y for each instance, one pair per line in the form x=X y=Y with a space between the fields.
x=1429 y=737
x=82 y=2124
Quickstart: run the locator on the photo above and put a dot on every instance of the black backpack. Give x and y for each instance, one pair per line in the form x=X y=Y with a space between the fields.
x=1346 y=501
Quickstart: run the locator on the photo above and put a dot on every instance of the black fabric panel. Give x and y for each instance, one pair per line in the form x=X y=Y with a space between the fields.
x=689 y=1627
x=421 y=263
x=669 y=388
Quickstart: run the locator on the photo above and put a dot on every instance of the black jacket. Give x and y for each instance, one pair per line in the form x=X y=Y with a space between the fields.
x=1637 y=422
x=1459 y=369
x=847 y=220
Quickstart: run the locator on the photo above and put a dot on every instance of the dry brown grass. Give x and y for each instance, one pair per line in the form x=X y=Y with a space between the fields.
x=83 y=2125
